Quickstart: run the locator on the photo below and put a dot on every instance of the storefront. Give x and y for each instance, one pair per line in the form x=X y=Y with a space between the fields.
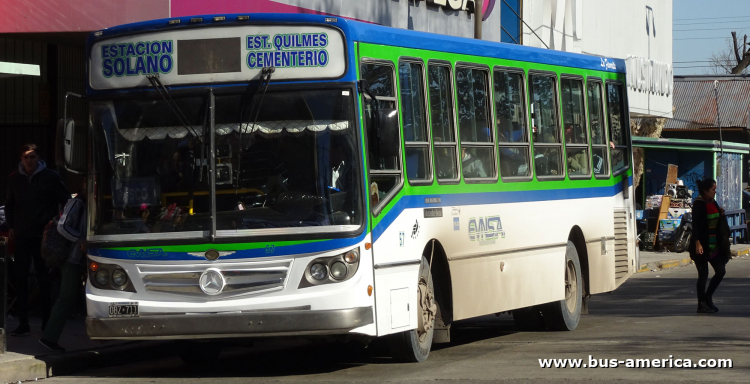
x=7 y=71
x=685 y=162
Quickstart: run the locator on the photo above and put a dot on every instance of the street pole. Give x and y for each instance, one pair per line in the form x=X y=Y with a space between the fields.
x=478 y=19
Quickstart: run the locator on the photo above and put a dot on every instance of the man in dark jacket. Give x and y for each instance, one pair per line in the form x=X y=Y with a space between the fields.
x=35 y=195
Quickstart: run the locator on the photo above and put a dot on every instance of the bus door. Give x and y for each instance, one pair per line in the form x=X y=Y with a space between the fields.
x=396 y=263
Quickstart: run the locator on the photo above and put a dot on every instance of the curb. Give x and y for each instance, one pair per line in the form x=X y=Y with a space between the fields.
x=32 y=367
x=675 y=263
x=664 y=264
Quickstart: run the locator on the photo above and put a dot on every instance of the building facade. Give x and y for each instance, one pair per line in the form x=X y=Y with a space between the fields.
x=639 y=31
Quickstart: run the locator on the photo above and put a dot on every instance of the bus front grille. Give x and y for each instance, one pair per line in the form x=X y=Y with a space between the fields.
x=240 y=278
x=621 y=245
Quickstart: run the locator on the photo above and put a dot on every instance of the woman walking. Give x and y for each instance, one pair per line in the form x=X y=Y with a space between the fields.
x=704 y=244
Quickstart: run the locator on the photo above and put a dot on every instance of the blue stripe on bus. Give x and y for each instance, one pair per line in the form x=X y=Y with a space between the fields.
x=156 y=254
x=461 y=199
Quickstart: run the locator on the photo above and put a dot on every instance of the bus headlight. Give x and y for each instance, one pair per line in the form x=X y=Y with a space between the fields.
x=110 y=277
x=318 y=271
x=101 y=277
x=338 y=270
x=119 y=277
x=331 y=269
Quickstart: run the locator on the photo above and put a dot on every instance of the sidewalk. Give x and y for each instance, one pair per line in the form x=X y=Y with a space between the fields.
x=26 y=359
x=656 y=261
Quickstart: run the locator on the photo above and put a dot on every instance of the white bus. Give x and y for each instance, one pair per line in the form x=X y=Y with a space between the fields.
x=301 y=175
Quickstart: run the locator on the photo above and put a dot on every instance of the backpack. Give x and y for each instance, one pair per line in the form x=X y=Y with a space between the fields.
x=55 y=247
x=57 y=243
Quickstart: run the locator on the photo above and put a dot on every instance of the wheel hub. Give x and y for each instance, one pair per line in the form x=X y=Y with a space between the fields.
x=427 y=308
x=571 y=287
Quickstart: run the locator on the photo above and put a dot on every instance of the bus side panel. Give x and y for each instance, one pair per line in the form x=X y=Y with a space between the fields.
x=485 y=288
x=397 y=254
x=507 y=256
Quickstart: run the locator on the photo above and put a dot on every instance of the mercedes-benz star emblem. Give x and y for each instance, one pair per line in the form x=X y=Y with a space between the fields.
x=212 y=281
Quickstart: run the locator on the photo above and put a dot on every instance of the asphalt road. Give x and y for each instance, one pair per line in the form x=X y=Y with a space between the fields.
x=652 y=316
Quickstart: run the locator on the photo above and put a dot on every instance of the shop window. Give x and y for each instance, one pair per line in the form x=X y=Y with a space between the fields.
x=475 y=131
x=510 y=117
x=574 y=131
x=545 y=126
x=618 y=126
x=442 y=121
x=599 y=142
x=414 y=121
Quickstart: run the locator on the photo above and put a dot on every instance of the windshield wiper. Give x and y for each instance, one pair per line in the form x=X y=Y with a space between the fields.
x=164 y=93
x=167 y=97
x=265 y=81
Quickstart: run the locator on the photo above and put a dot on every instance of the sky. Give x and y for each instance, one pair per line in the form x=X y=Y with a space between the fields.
x=702 y=27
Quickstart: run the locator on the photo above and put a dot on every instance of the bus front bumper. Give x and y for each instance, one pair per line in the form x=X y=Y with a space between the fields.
x=218 y=325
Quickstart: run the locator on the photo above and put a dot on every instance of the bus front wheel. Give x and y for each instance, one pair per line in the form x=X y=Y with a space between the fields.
x=564 y=315
x=414 y=346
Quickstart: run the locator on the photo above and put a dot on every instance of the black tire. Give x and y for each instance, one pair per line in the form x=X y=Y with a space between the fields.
x=683 y=240
x=414 y=346
x=197 y=353
x=564 y=315
x=528 y=319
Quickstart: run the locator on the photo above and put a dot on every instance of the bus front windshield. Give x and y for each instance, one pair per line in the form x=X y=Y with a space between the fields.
x=290 y=162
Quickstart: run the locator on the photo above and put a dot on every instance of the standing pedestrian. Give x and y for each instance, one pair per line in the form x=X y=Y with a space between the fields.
x=35 y=195
x=72 y=226
x=705 y=247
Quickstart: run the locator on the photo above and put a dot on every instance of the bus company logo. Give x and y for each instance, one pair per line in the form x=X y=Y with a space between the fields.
x=287 y=50
x=606 y=64
x=270 y=248
x=147 y=253
x=137 y=58
x=485 y=230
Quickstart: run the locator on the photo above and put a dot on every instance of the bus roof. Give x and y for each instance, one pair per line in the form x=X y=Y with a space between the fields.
x=378 y=34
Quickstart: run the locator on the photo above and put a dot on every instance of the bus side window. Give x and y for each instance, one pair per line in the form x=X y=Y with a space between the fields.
x=545 y=127
x=599 y=142
x=414 y=120
x=385 y=163
x=618 y=126
x=510 y=116
x=475 y=130
x=575 y=132
x=441 y=119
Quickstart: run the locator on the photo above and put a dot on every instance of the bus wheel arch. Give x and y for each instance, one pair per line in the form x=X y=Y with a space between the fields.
x=443 y=289
x=564 y=315
x=579 y=241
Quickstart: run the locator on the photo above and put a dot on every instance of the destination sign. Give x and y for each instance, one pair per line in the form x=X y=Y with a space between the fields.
x=222 y=54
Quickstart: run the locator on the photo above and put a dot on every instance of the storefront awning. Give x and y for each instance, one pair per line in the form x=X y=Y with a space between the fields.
x=17 y=69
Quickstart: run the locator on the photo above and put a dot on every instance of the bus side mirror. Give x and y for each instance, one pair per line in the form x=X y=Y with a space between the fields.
x=388 y=132
x=71 y=147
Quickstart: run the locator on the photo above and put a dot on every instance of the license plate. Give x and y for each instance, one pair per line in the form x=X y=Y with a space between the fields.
x=123 y=310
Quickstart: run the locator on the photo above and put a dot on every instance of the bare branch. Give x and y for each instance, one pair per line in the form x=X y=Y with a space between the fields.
x=744 y=47
x=736 y=49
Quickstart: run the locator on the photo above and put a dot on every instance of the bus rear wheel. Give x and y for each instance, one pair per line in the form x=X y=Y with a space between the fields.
x=563 y=315
x=414 y=346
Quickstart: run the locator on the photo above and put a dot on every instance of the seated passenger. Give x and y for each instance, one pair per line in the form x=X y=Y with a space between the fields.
x=472 y=166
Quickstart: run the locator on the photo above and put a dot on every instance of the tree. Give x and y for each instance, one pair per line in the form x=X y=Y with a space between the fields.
x=644 y=127
x=732 y=60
